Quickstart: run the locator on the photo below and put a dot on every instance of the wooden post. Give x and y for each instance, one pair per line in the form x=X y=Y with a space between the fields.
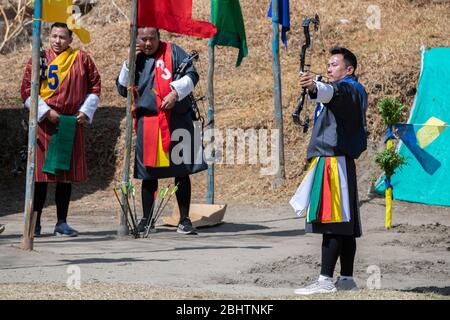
x=280 y=175
x=210 y=181
x=122 y=229
x=27 y=240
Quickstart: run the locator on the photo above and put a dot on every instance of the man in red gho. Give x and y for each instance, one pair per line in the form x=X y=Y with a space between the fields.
x=70 y=90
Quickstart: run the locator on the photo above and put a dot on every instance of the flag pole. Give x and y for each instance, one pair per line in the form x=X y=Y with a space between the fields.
x=280 y=175
x=388 y=194
x=122 y=229
x=29 y=215
x=210 y=178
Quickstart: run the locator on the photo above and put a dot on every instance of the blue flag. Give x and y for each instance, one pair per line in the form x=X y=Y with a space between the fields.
x=283 y=18
x=408 y=135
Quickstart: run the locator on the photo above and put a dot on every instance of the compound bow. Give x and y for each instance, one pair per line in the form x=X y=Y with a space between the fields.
x=180 y=72
x=306 y=26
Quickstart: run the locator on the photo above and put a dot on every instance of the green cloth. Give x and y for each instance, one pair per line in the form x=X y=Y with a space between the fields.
x=411 y=182
x=226 y=15
x=59 y=153
x=316 y=191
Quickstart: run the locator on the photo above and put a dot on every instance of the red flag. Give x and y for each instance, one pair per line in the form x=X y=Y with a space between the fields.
x=174 y=16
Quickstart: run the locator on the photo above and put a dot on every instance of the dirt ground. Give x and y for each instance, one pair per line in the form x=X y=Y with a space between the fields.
x=255 y=253
x=261 y=250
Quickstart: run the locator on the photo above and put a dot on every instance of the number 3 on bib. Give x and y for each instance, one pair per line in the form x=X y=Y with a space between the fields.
x=160 y=64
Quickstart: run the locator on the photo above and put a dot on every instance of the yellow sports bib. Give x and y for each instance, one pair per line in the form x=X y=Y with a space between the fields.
x=57 y=72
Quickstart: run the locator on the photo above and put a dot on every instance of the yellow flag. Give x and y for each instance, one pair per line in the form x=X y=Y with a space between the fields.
x=430 y=131
x=65 y=11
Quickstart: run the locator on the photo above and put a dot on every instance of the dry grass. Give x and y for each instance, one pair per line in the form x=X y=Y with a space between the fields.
x=389 y=65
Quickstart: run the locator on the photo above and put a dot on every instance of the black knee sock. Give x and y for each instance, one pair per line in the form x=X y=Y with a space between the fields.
x=62 y=198
x=331 y=248
x=40 y=194
x=149 y=188
x=347 y=256
x=183 y=196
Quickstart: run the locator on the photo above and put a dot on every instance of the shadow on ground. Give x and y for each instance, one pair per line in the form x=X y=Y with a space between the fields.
x=103 y=155
x=234 y=229
x=444 y=291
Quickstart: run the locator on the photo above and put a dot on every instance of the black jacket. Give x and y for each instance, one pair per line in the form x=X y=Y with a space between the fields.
x=181 y=118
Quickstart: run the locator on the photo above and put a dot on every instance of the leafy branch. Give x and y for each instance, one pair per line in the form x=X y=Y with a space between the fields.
x=389 y=160
x=392 y=110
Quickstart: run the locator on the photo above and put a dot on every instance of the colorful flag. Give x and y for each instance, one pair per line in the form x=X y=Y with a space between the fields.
x=65 y=11
x=417 y=141
x=226 y=15
x=283 y=18
x=173 y=16
x=430 y=131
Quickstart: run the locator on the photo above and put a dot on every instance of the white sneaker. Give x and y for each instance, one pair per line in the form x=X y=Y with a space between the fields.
x=323 y=286
x=345 y=284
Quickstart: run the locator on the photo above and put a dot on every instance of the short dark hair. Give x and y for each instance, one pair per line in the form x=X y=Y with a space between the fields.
x=61 y=25
x=349 y=57
x=157 y=30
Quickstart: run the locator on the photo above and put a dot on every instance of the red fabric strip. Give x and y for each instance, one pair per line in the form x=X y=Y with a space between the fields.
x=326 y=192
x=150 y=141
x=163 y=77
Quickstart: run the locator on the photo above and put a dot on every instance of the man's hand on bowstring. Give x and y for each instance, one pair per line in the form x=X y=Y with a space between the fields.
x=53 y=116
x=81 y=118
x=307 y=81
x=169 y=101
